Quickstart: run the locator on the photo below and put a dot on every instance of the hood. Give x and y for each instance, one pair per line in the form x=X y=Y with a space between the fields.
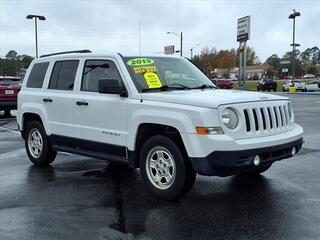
x=210 y=98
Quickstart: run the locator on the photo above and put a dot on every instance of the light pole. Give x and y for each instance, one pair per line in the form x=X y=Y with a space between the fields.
x=36 y=28
x=191 y=49
x=181 y=37
x=294 y=45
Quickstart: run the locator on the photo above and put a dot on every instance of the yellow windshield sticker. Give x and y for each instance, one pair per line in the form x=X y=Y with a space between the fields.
x=140 y=61
x=144 y=69
x=152 y=79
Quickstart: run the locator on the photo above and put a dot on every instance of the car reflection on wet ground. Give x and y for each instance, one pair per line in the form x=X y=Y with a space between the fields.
x=85 y=198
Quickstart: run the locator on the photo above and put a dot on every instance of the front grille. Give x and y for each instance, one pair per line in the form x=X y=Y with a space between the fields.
x=267 y=118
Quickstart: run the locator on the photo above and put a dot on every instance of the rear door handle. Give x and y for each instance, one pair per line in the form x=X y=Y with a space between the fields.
x=47 y=100
x=82 y=103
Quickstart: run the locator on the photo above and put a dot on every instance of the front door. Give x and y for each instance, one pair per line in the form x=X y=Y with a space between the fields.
x=100 y=119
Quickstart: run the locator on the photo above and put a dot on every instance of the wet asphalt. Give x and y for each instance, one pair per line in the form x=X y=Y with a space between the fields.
x=85 y=198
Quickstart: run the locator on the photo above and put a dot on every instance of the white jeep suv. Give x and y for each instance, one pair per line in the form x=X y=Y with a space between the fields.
x=159 y=114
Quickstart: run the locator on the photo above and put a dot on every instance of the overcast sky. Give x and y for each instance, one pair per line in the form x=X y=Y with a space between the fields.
x=113 y=26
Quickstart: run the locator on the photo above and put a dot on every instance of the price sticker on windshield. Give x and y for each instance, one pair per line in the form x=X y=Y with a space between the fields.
x=140 y=61
x=152 y=80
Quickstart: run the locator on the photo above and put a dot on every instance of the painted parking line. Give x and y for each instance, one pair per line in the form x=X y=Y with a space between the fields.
x=10 y=130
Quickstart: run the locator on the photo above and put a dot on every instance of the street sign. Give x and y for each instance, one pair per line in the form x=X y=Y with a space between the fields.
x=285 y=70
x=243 y=29
x=169 y=49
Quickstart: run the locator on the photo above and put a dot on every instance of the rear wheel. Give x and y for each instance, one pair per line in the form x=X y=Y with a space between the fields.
x=38 y=146
x=166 y=171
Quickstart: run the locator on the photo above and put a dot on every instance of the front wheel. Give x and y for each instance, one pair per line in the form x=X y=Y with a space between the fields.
x=166 y=171
x=38 y=146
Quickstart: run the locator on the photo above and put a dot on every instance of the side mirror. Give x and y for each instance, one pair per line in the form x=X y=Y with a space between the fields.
x=111 y=86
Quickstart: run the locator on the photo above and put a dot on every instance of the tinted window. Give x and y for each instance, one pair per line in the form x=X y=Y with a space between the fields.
x=63 y=75
x=95 y=70
x=37 y=75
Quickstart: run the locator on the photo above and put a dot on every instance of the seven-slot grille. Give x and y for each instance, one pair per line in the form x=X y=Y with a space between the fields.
x=267 y=117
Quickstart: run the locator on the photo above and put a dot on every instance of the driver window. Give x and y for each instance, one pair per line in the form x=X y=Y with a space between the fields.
x=94 y=70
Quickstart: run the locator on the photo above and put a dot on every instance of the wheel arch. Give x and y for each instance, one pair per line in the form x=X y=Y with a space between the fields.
x=28 y=117
x=146 y=130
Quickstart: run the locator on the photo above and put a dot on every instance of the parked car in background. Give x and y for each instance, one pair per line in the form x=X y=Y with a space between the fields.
x=313 y=86
x=287 y=77
x=297 y=83
x=267 y=84
x=9 y=89
x=223 y=83
x=309 y=75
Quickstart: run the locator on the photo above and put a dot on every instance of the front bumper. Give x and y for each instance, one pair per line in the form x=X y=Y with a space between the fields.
x=226 y=163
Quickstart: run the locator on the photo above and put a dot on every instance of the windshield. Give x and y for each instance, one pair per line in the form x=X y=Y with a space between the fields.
x=157 y=72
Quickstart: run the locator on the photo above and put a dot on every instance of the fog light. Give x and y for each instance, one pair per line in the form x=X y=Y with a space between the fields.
x=256 y=160
x=293 y=151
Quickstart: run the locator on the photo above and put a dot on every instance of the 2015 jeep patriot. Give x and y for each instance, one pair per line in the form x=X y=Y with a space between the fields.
x=159 y=114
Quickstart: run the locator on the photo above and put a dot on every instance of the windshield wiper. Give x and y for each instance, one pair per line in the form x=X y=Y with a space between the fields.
x=203 y=86
x=166 y=87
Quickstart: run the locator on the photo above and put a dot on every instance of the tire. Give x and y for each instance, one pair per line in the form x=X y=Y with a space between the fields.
x=7 y=113
x=258 y=170
x=283 y=90
x=165 y=156
x=275 y=89
x=38 y=145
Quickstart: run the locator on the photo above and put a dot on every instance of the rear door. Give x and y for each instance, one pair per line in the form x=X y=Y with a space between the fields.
x=100 y=119
x=59 y=100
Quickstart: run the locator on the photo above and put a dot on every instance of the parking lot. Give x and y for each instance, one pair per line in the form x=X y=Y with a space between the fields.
x=85 y=198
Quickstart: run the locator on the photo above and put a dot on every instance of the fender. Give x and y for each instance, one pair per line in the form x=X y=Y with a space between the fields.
x=38 y=109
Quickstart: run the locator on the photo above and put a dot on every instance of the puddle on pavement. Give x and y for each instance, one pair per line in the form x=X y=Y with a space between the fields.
x=115 y=172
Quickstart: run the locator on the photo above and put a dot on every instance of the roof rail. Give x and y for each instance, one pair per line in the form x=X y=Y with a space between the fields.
x=59 y=53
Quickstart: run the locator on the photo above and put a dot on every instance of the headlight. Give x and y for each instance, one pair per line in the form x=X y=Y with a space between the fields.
x=229 y=118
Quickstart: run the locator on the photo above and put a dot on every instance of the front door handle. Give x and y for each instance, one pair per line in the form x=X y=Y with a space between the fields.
x=47 y=100
x=82 y=103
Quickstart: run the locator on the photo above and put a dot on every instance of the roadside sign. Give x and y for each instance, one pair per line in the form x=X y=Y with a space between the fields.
x=285 y=70
x=285 y=62
x=243 y=29
x=169 y=49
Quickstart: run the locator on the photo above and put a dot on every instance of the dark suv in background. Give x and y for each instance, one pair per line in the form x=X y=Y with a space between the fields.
x=267 y=84
x=9 y=89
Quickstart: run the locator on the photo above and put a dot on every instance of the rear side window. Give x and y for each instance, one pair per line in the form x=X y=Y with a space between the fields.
x=63 y=75
x=37 y=75
x=95 y=70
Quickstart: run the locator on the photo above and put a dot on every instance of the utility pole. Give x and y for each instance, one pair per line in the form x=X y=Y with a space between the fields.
x=181 y=40
x=191 y=50
x=139 y=38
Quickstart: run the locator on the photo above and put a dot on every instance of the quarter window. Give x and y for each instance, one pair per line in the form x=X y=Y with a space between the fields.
x=63 y=75
x=95 y=70
x=37 y=75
